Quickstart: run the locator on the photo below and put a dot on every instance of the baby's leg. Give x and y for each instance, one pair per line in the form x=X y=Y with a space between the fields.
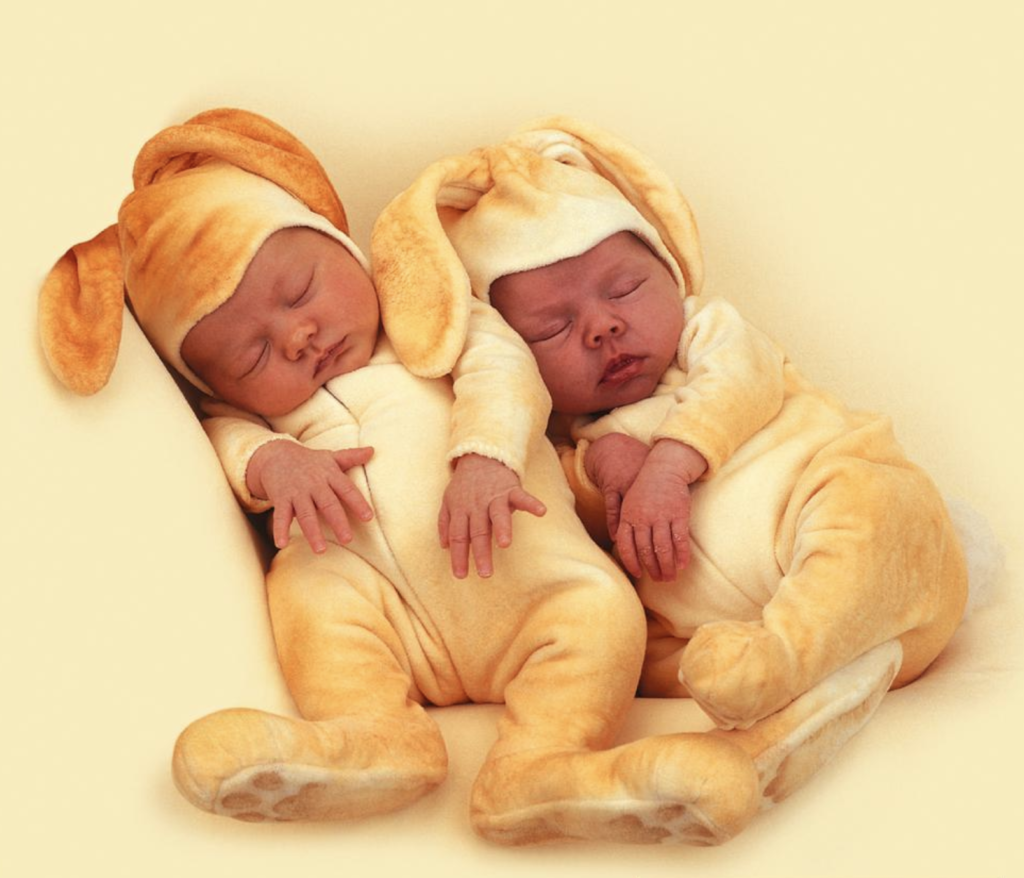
x=363 y=747
x=549 y=777
x=872 y=557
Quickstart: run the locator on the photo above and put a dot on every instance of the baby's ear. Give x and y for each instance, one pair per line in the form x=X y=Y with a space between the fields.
x=423 y=288
x=641 y=181
x=81 y=309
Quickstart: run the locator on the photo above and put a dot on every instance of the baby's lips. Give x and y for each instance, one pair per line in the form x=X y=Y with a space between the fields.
x=621 y=367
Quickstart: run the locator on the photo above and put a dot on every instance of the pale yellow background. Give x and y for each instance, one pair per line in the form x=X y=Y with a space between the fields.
x=856 y=172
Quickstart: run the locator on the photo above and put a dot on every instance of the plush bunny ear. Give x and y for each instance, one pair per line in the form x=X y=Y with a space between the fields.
x=82 y=300
x=81 y=307
x=250 y=142
x=423 y=288
x=647 y=187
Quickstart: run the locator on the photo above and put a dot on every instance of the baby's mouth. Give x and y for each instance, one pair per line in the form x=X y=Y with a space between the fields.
x=621 y=368
x=327 y=357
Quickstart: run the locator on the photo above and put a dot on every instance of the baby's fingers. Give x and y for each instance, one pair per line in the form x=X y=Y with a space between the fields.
x=523 y=501
x=458 y=545
x=346 y=491
x=499 y=513
x=644 y=541
x=664 y=565
x=347 y=458
x=628 y=555
x=333 y=513
x=444 y=518
x=681 y=542
x=309 y=522
x=612 y=511
x=501 y=523
x=480 y=541
x=282 y=524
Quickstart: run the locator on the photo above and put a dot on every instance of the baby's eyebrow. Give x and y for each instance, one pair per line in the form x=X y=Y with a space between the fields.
x=623 y=270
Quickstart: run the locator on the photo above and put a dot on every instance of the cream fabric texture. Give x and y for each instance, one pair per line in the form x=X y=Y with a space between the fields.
x=813 y=538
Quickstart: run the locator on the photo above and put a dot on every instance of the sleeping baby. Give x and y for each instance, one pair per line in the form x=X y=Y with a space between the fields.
x=233 y=251
x=774 y=535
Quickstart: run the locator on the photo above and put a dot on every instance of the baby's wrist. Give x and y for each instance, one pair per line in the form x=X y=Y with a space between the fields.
x=257 y=465
x=473 y=462
x=681 y=457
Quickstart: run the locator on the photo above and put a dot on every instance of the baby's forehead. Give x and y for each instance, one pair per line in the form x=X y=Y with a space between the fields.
x=541 y=289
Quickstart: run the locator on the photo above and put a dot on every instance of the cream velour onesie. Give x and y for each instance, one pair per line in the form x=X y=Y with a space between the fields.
x=812 y=537
x=815 y=540
x=368 y=633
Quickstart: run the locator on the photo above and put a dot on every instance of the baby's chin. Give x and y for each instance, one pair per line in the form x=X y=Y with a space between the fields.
x=604 y=399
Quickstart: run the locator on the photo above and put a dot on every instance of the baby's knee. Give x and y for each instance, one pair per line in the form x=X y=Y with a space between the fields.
x=594 y=622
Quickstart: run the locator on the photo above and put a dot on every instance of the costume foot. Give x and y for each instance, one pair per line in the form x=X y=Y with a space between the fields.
x=738 y=672
x=790 y=746
x=257 y=767
x=687 y=788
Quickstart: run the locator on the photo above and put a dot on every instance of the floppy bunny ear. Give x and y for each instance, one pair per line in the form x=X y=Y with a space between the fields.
x=81 y=308
x=252 y=143
x=423 y=288
x=82 y=300
x=643 y=184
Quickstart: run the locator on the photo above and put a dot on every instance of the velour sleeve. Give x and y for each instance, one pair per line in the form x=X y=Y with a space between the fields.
x=236 y=435
x=501 y=404
x=735 y=382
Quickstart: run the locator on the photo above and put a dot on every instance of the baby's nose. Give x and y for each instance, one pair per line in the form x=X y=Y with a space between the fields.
x=607 y=326
x=298 y=339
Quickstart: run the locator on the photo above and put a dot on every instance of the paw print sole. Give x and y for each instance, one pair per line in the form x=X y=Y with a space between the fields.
x=284 y=793
x=628 y=821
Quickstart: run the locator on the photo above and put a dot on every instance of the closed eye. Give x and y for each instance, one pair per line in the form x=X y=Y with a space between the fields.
x=258 y=362
x=306 y=294
x=627 y=290
x=548 y=333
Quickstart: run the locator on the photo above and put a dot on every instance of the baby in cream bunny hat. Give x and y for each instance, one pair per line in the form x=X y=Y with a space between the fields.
x=233 y=252
x=774 y=535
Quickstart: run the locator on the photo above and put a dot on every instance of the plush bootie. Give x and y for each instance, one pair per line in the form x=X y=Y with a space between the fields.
x=689 y=788
x=256 y=766
x=693 y=788
x=790 y=746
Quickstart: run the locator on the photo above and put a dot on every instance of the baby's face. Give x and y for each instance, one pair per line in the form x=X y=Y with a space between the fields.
x=305 y=312
x=603 y=326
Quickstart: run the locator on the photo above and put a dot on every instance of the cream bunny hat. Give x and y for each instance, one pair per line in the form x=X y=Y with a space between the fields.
x=207 y=194
x=552 y=191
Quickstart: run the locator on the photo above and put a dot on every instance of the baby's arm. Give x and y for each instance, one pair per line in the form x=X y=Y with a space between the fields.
x=654 y=526
x=302 y=484
x=481 y=496
x=734 y=386
x=501 y=407
x=612 y=463
x=735 y=383
x=268 y=469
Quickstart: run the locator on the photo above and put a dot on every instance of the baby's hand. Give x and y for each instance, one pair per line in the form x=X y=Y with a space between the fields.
x=654 y=530
x=303 y=484
x=481 y=495
x=613 y=463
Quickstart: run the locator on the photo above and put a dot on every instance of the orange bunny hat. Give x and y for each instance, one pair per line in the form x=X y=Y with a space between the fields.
x=553 y=191
x=207 y=194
